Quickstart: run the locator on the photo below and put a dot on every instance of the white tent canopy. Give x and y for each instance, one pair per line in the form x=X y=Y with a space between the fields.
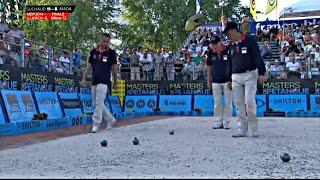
x=303 y=8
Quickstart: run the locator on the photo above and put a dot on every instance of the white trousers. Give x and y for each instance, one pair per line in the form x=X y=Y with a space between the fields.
x=225 y=114
x=99 y=93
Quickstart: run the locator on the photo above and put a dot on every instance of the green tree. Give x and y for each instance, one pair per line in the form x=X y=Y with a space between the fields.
x=156 y=23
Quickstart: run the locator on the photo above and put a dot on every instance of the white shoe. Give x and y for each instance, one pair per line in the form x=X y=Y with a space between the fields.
x=111 y=123
x=240 y=133
x=226 y=124
x=255 y=133
x=94 y=129
x=217 y=125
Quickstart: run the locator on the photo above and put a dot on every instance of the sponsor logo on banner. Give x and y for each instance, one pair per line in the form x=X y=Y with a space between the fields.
x=315 y=102
x=175 y=103
x=87 y=104
x=289 y=87
x=14 y=106
x=151 y=103
x=70 y=103
x=140 y=103
x=260 y=103
x=130 y=104
x=28 y=103
x=316 y=87
x=288 y=102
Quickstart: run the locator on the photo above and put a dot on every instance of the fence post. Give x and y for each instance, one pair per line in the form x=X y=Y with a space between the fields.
x=22 y=51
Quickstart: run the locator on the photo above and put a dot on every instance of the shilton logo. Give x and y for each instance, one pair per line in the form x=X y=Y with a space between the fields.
x=87 y=104
x=140 y=103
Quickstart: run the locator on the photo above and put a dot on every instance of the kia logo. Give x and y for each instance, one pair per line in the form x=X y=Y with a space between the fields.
x=130 y=104
x=140 y=103
x=151 y=103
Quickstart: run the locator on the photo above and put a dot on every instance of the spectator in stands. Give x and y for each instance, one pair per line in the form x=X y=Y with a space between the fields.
x=276 y=70
x=293 y=65
x=194 y=40
x=16 y=32
x=65 y=63
x=170 y=60
x=135 y=66
x=293 y=48
x=265 y=50
x=315 y=36
x=4 y=28
x=158 y=61
x=298 y=36
x=77 y=57
x=187 y=70
x=265 y=33
x=273 y=33
x=201 y=71
x=244 y=27
x=146 y=60
x=259 y=34
x=198 y=58
x=124 y=60
x=317 y=54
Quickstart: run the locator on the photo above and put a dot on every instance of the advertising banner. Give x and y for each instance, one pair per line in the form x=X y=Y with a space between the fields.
x=48 y=103
x=291 y=103
x=19 y=105
x=140 y=103
x=175 y=103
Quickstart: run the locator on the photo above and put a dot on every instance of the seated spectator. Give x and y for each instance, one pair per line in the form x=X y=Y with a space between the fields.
x=187 y=70
x=283 y=75
x=293 y=67
x=276 y=70
x=317 y=54
x=65 y=63
x=201 y=71
x=198 y=58
x=266 y=50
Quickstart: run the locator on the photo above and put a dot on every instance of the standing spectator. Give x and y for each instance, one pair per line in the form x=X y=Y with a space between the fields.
x=146 y=60
x=265 y=50
x=65 y=63
x=158 y=61
x=135 y=67
x=187 y=70
x=124 y=59
x=170 y=60
x=4 y=28
x=77 y=57
x=16 y=32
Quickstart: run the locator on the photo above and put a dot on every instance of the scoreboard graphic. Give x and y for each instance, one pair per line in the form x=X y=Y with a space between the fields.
x=49 y=13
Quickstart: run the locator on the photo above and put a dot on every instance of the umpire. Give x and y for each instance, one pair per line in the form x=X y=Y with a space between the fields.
x=246 y=68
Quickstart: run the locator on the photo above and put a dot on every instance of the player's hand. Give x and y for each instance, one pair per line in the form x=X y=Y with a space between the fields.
x=229 y=85
x=82 y=82
x=262 y=79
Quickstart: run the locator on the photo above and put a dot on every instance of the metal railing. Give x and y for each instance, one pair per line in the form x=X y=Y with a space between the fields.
x=32 y=54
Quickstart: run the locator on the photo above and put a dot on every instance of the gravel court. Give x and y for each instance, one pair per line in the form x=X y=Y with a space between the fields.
x=194 y=151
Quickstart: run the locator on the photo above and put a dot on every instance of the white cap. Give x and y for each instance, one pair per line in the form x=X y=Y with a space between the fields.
x=276 y=61
x=170 y=52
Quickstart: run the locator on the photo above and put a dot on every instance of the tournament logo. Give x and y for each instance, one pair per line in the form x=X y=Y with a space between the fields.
x=87 y=104
x=253 y=2
x=130 y=104
x=140 y=103
x=151 y=103
x=271 y=2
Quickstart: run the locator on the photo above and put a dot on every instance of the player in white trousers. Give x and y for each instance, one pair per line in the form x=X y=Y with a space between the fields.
x=217 y=77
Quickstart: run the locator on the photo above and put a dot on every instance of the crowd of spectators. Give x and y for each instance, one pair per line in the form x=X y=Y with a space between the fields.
x=298 y=47
x=17 y=51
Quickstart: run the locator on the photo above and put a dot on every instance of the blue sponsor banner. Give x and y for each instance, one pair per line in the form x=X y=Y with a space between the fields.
x=288 y=102
x=48 y=103
x=175 y=103
x=107 y=103
x=140 y=103
x=261 y=104
x=9 y=129
x=204 y=102
x=315 y=102
x=115 y=104
x=2 y=119
x=87 y=104
x=19 y=105
x=283 y=24
x=71 y=104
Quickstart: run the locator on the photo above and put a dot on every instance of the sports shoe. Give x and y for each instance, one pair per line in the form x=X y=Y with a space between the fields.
x=226 y=124
x=239 y=133
x=255 y=133
x=217 y=126
x=111 y=124
x=94 y=129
